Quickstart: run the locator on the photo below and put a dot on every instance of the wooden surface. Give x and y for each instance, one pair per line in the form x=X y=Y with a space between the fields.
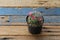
x=31 y=37
x=22 y=33
x=29 y=3
x=19 y=31
x=21 y=20
x=23 y=30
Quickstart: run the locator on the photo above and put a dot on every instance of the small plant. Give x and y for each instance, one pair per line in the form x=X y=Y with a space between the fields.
x=35 y=20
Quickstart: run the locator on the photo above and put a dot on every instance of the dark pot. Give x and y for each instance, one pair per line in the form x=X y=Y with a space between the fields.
x=35 y=30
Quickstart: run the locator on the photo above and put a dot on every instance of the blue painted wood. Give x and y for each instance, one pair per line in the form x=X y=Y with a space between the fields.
x=52 y=19
x=47 y=19
x=25 y=11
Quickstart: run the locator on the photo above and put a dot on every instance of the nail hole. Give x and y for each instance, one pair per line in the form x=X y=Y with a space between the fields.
x=46 y=8
x=7 y=21
x=2 y=17
x=5 y=38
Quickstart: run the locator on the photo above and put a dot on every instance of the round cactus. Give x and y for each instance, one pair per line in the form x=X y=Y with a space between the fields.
x=35 y=18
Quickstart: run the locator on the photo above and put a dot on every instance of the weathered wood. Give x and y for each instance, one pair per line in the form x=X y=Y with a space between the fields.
x=25 y=24
x=29 y=3
x=51 y=20
x=23 y=30
x=31 y=37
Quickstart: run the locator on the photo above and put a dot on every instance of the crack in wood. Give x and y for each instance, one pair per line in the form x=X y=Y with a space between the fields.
x=40 y=2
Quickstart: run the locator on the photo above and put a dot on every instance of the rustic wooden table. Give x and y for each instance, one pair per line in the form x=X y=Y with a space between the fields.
x=22 y=33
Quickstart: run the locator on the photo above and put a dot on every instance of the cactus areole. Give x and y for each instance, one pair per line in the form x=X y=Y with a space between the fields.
x=35 y=22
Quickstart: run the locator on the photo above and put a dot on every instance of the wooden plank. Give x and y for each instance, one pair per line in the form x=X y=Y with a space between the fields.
x=53 y=20
x=51 y=30
x=25 y=24
x=50 y=13
x=4 y=18
x=31 y=37
x=19 y=3
x=31 y=3
x=23 y=31
x=39 y=38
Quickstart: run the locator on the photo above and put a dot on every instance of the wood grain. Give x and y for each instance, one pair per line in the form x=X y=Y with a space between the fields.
x=31 y=37
x=31 y=3
x=25 y=24
x=23 y=30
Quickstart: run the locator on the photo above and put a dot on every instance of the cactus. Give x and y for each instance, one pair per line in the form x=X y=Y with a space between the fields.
x=35 y=21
